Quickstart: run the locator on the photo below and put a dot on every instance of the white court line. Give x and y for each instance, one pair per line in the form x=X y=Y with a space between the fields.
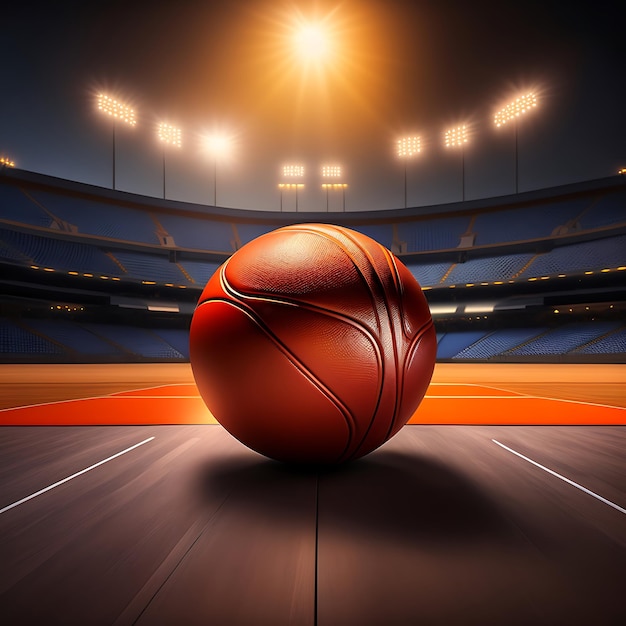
x=60 y=482
x=114 y=394
x=567 y=480
x=148 y=397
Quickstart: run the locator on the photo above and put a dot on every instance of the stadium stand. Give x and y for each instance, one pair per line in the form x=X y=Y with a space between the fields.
x=155 y=247
x=72 y=336
x=199 y=271
x=612 y=343
x=149 y=267
x=490 y=269
x=190 y=232
x=55 y=253
x=564 y=339
x=609 y=252
x=138 y=341
x=18 y=207
x=99 y=218
x=606 y=211
x=498 y=342
x=438 y=233
x=454 y=342
x=523 y=223
x=18 y=341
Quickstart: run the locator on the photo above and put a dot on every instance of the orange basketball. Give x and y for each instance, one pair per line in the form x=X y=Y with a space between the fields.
x=312 y=344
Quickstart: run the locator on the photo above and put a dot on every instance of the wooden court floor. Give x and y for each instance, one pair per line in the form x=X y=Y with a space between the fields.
x=458 y=394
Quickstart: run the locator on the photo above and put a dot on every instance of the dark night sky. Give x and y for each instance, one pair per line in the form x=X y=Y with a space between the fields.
x=420 y=66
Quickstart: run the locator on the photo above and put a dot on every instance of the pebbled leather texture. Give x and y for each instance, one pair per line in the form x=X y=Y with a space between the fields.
x=312 y=344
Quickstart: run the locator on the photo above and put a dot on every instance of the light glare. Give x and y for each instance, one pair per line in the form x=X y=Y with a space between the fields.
x=409 y=146
x=514 y=109
x=456 y=136
x=293 y=171
x=116 y=109
x=331 y=171
x=169 y=134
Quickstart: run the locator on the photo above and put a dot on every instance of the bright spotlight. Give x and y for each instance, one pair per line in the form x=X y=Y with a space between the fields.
x=116 y=109
x=169 y=134
x=514 y=109
x=312 y=42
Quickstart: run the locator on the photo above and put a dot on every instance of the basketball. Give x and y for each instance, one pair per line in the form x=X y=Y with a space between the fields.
x=312 y=344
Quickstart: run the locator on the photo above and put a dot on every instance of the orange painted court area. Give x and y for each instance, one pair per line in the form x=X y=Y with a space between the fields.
x=444 y=404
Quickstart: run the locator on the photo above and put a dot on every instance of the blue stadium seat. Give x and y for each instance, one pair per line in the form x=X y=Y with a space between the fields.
x=138 y=341
x=16 y=206
x=564 y=339
x=15 y=340
x=579 y=257
x=520 y=224
x=99 y=217
x=198 y=233
x=440 y=233
x=610 y=209
x=178 y=338
x=452 y=343
x=200 y=271
x=612 y=343
x=73 y=336
x=56 y=253
x=497 y=342
x=428 y=274
x=152 y=267
x=502 y=267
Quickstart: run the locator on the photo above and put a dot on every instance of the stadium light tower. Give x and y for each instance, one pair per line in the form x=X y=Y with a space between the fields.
x=511 y=113
x=219 y=146
x=117 y=111
x=168 y=135
x=407 y=148
x=332 y=175
x=6 y=162
x=457 y=138
x=293 y=178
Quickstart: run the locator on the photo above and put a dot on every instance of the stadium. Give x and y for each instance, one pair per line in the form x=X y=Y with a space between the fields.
x=94 y=278
x=124 y=500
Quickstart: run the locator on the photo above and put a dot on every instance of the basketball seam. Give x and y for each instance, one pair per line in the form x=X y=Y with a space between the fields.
x=347 y=415
x=385 y=296
x=383 y=370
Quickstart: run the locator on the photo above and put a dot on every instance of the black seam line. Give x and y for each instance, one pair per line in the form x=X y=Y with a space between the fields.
x=353 y=322
x=317 y=534
x=343 y=410
x=182 y=558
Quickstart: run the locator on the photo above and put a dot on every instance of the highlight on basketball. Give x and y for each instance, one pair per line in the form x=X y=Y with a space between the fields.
x=312 y=314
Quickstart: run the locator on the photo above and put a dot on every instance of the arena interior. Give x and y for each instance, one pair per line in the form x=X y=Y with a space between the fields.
x=122 y=501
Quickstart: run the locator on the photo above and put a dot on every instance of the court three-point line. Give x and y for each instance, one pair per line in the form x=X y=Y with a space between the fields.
x=68 y=478
x=563 y=478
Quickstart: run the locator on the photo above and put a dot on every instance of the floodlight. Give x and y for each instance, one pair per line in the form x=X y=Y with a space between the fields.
x=406 y=148
x=409 y=146
x=116 y=109
x=334 y=172
x=511 y=113
x=220 y=146
x=514 y=109
x=118 y=112
x=291 y=171
x=169 y=134
x=457 y=137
